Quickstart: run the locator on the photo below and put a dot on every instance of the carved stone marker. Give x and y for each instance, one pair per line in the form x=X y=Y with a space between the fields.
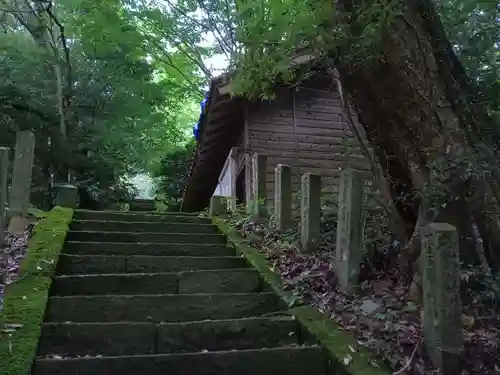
x=21 y=174
x=310 y=211
x=282 y=196
x=66 y=196
x=441 y=296
x=259 y=192
x=350 y=228
x=218 y=205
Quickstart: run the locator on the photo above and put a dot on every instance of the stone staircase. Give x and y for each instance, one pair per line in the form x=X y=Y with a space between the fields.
x=161 y=294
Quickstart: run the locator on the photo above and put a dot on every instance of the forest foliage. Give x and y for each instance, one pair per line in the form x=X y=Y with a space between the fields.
x=111 y=87
x=106 y=86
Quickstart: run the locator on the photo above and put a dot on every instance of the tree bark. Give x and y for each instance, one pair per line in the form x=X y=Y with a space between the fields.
x=421 y=114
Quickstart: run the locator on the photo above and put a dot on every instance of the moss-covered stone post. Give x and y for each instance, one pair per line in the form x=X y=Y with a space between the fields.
x=282 y=196
x=441 y=296
x=350 y=228
x=218 y=205
x=310 y=211
x=66 y=196
x=259 y=191
x=21 y=174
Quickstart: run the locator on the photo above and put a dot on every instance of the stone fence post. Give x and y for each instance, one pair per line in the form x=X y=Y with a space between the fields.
x=4 y=165
x=218 y=205
x=248 y=184
x=259 y=191
x=21 y=174
x=350 y=228
x=233 y=168
x=441 y=297
x=310 y=211
x=66 y=195
x=282 y=197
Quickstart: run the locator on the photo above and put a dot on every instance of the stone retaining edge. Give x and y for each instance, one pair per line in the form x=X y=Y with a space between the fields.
x=26 y=299
x=330 y=336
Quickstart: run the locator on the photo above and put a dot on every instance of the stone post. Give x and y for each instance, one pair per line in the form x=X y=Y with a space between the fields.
x=233 y=167
x=310 y=211
x=441 y=296
x=350 y=228
x=218 y=205
x=4 y=165
x=259 y=188
x=283 y=196
x=248 y=183
x=21 y=174
x=66 y=196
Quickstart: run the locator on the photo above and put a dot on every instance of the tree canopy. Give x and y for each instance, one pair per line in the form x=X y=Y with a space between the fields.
x=108 y=87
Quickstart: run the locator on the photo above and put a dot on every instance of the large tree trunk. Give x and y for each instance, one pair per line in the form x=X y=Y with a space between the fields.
x=425 y=121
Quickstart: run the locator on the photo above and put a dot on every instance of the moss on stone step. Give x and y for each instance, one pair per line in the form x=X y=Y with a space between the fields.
x=289 y=361
x=157 y=308
x=128 y=237
x=25 y=300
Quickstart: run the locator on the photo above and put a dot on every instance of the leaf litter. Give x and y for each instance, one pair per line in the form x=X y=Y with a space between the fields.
x=379 y=316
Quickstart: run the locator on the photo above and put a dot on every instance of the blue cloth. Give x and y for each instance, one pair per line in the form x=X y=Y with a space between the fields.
x=196 y=127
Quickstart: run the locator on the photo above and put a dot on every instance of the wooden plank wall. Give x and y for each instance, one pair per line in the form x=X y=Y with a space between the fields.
x=307 y=130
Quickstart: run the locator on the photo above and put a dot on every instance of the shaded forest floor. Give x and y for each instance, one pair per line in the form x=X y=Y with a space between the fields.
x=14 y=250
x=381 y=316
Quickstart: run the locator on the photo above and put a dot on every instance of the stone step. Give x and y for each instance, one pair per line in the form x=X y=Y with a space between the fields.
x=277 y=361
x=191 y=282
x=219 y=281
x=142 y=205
x=160 y=249
x=161 y=308
x=108 y=339
x=130 y=237
x=95 y=264
x=138 y=217
x=142 y=227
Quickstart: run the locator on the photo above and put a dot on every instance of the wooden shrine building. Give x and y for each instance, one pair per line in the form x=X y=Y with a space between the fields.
x=304 y=127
